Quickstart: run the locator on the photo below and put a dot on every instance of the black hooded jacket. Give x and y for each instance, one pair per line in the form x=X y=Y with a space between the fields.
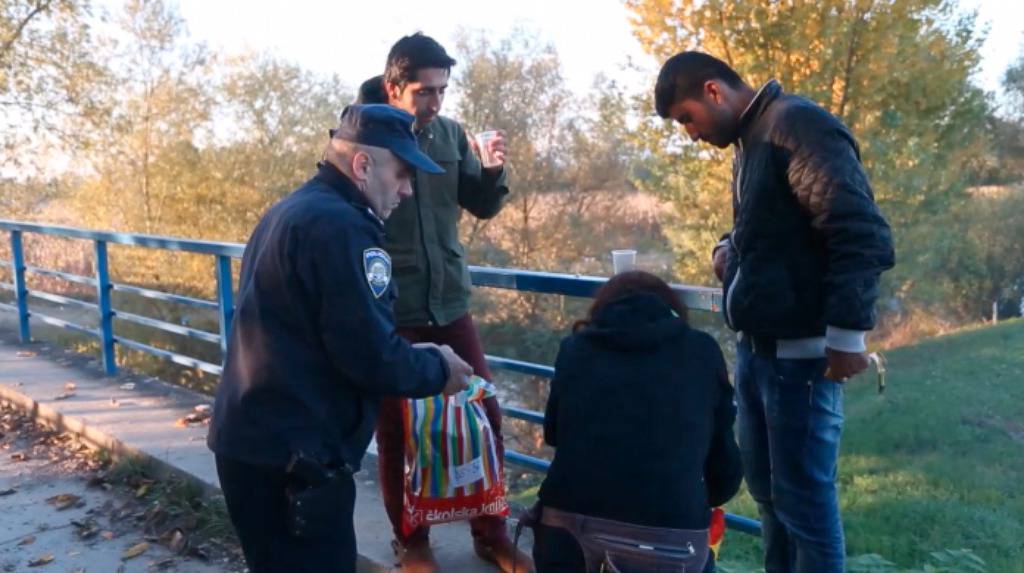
x=641 y=415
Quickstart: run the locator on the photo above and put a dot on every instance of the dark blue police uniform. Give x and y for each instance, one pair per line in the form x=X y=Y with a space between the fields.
x=312 y=350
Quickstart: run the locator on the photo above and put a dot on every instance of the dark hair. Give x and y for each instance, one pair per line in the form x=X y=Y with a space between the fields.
x=630 y=283
x=683 y=76
x=372 y=91
x=412 y=54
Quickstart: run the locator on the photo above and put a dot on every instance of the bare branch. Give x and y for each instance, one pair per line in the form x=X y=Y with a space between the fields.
x=9 y=43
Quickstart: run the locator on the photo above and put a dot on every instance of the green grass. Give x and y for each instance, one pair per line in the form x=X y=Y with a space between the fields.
x=937 y=462
x=181 y=501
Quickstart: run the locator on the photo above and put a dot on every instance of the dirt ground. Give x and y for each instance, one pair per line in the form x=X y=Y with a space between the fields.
x=64 y=507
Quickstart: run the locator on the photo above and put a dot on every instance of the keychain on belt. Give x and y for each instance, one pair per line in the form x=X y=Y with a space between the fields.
x=878 y=360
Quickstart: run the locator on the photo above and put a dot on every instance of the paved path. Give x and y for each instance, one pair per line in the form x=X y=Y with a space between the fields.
x=53 y=518
x=141 y=420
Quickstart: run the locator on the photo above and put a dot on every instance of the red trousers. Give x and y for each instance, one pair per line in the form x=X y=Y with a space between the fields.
x=461 y=335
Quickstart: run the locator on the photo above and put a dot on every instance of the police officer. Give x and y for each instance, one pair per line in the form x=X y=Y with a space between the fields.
x=313 y=349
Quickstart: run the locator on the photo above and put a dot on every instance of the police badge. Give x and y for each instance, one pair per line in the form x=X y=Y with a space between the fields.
x=377 y=264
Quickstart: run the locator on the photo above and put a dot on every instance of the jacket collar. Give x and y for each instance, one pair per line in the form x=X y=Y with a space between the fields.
x=330 y=176
x=762 y=99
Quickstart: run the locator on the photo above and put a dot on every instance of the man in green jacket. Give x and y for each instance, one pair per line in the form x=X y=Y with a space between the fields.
x=429 y=266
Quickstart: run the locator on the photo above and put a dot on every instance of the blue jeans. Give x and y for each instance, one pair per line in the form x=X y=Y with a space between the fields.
x=790 y=421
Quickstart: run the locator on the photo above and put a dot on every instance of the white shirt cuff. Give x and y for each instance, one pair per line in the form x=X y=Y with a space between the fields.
x=845 y=340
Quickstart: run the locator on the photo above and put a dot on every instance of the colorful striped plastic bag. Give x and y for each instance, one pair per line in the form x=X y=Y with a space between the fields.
x=452 y=470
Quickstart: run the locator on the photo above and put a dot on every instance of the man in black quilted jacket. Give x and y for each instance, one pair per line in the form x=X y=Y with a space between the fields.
x=800 y=270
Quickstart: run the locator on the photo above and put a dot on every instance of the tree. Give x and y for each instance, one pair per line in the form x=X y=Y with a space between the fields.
x=146 y=151
x=278 y=115
x=1013 y=83
x=563 y=150
x=47 y=68
x=1007 y=161
x=896 y=71
x=569 y=158
x=604 y=154
x=516 y=85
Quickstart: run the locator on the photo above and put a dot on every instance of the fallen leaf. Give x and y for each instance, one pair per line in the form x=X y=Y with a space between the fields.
x=70 y=386
x=25 y=354
x=63 y=396
x=40 y=561
x=63 y=501
x=86 y=530
x=108 y=535
x=142 y=491
x=27 y=540
x=6 y=492
x=178 y=542
x=198 y=553
x=163 y=565
x=19 y=456
x=193 y=419
x=135 y=550
x=203 y=408
x=128 y=386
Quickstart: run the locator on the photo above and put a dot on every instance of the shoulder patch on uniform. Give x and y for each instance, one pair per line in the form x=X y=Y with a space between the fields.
x=377 y=264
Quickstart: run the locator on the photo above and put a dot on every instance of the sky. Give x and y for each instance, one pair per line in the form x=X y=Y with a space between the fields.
x=352 y=37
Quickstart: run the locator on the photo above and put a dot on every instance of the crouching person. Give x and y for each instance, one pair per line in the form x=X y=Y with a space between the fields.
x=640 y=414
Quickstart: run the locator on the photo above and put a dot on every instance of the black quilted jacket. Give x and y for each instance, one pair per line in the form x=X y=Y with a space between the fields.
x=808 y=242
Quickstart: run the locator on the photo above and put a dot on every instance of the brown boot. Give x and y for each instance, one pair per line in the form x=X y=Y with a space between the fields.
x=501 y=553
x=415 y=557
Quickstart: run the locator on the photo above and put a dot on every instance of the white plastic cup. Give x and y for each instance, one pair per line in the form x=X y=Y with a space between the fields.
x=623 y=260
x=487 y=159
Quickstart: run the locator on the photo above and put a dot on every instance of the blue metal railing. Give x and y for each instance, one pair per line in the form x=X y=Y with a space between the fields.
x=698 y=298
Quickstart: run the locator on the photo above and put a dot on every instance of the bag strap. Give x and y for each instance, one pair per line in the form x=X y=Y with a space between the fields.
x=529 y=517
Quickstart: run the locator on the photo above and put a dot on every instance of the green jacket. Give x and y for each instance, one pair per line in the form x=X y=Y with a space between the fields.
x=422 y=234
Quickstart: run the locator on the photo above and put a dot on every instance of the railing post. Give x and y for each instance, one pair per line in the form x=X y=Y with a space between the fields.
x=226 y=300
x=20 y=289
x=103 y=289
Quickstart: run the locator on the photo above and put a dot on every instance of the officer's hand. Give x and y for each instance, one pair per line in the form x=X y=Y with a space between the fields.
x=844 y=365
x=719 y=261
x=459 y=371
